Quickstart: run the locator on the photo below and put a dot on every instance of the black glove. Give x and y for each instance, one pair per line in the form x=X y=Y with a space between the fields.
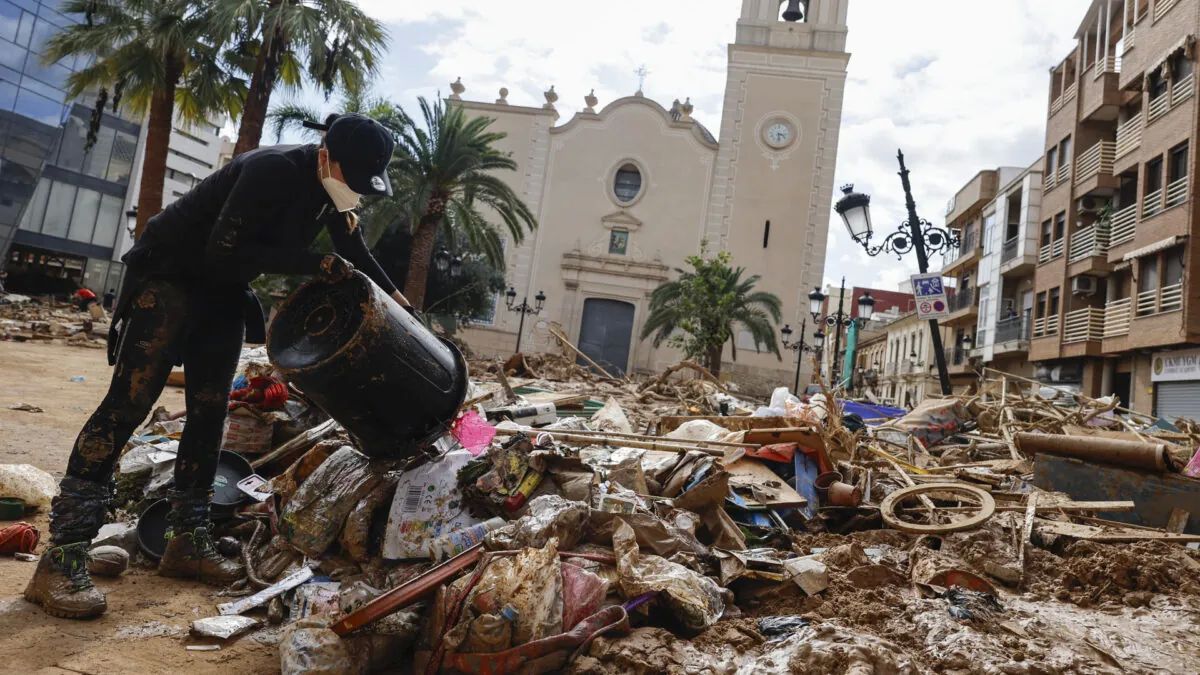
x=335 y=268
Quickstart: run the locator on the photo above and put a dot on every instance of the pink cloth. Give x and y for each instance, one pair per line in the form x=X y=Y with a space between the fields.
x=473 y=432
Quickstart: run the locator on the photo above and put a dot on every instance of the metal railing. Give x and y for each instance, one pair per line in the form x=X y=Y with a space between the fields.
x=1158 y=107
x=1081 y=325
x=1183 y=89
x=1107 y=64
x=1050 y=180
x=1129 y=136
x=1070 y=92
x=1064 y=172
x=1009 y=250
x=964 y=298
x=1015 y=328
x=1117 y=317
x=1046 y=326
x=1162 y=7
x=1177 y=192
x=1159 y=300
x=1051 y=251
x=1152 y=203
x=1128 y=39
x=1123 y=225
x=1096 y=160
x=956 y=356
x=1067 y=95
x=967 y=244
x=1089 y=241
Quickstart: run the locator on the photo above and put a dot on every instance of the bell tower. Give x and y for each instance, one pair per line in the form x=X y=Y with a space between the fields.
x=772 y=187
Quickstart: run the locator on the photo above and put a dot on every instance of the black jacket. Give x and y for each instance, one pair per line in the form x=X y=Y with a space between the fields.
x=256 y=215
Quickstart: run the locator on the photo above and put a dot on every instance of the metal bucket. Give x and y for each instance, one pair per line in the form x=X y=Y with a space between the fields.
x=369 y=364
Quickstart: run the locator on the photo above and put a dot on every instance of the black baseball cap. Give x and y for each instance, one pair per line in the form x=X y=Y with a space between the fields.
x=363 y=147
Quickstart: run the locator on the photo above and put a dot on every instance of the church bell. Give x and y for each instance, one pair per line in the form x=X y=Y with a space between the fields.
x=793 y=12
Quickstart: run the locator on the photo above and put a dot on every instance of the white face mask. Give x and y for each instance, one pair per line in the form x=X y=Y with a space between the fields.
x=344 y=199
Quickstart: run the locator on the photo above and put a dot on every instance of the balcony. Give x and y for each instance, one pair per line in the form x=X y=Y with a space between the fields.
x=1123 y=226
x=1159 y=300
x=1009 y=250
x=1162 y=7
x=1177 y=192
x=963 y=299
x=1046 y=326
x=1152 y=204
x=1107 y=64
x=956 y=356
x=1051 y=251
x=1089 y=241
x=1063 y=98
x=1064 y=173
x=968 y=246
x=1129 y=136
x=1158 y=107
x=1182 y=89
x=1096 y=161
x=1117 y=317
x=1014 y=329
x=1082 y=325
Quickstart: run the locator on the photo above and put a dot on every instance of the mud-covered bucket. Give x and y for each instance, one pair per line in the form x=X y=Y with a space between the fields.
x=369 y=364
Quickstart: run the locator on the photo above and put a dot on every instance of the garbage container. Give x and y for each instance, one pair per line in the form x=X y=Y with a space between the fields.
x=369 y=364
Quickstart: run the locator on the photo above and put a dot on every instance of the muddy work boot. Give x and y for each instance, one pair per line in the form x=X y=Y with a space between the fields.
x=191 y=552
x=61 y=584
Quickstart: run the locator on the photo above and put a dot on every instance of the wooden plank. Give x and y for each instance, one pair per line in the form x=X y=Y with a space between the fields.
x=669 y=423
x=1026 y=532
x=1177 y=520
x=752 y=472
x=1111 y=535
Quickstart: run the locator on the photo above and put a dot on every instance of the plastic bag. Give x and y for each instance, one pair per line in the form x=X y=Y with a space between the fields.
x=549 y=516
x=28 y=483
x=314 y=516
x=698 y=430
x=693 y=598
x=309 y=648
x=427 y=505
x=355 y=538
x=612 y=418
x=247 y=431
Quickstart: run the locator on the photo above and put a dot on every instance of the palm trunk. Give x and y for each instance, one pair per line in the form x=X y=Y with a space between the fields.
x=419 y=259
x=714 y=360
x=258 y=98
x=158 y=140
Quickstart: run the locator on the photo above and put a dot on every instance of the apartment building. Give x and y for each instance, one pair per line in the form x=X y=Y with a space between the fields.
x=1115 y=306
x=897 y=364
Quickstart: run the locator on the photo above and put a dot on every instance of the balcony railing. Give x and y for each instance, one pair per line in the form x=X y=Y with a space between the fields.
x=1152 y=204
x=1183 y=89
x=966 y=245
x=1123 y=225
x=1096 y=160
x=1128 y=40
x=1107 y=64
x=1067 y=95
x=1117 y=317
x=1050 y=181
x=1014 y=328
x=1162 y=7
x=1045 y=326
x=1159 y=300
x=1129 y=136
x=1177 y=192
x=1051 y=251
x=1089 y=241
x=1082 y=325
x=964 y=298
x=1064 y=173
x=956 y=356
x=1158 y=107
x=1009 y=250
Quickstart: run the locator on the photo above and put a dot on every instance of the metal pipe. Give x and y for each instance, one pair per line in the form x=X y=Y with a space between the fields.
x=1132 y=454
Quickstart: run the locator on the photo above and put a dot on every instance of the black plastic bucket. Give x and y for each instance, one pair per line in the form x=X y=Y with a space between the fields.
x=231 y=468
x=369 y=364
x=152 y=529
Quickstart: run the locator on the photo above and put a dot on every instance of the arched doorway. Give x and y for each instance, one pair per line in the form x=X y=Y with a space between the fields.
x=606 y=333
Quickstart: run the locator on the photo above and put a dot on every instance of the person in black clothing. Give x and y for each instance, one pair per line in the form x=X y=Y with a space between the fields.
x=187 y=300
x=109 y=298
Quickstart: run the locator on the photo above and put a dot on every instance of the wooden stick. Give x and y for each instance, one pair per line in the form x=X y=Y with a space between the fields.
x=1078 y=396
x=639 y=437
x=309 y=437
x=1026 y=533
x=554 y=330
x=623 y=442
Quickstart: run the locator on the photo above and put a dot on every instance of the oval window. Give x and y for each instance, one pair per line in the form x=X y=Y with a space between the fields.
x=628 y=183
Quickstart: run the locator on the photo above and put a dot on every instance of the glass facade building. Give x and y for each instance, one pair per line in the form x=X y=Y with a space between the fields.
x=61 y=209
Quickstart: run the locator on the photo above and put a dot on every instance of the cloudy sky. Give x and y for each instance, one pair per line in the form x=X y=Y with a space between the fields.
x=960 y=85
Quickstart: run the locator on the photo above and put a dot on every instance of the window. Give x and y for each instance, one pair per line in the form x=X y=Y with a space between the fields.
x=1172 y=266
x=188 y=157
x=627 y=183
x=96 y=163
x=1181 y=66
x=1051 y=155
x=618 y=242
x=1158 y=84
x=1064 y=152
x=1148 y=273
x=58 y=209
x=766 y=233
x=1177 y=163
x=1052 y=303
x=989 y=228
x=1040 y=305
x=121 y=164
x=1060 y=225
x=1153 y=179
x=35 y=211
x=108 y=222
x=83 y=217
x=190 y=137
x=1046 y=229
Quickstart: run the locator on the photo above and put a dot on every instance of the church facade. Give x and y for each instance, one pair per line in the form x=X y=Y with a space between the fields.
x=625 y=192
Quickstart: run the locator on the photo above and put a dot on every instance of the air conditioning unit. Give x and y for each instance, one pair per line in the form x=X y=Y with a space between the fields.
x=1091 y=204
x=1083 y=285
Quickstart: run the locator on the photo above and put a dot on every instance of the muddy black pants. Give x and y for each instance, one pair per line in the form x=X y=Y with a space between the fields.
x=167 y=323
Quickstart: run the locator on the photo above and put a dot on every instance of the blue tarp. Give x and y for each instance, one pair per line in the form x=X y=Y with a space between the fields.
x=868 y=411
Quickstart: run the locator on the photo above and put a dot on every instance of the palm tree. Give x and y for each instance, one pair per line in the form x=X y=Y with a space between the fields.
x=159 y=57
x=331 y=41
x=443 y=172
x=699 y=311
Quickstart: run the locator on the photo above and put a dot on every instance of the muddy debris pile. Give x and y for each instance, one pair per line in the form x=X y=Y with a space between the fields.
x=26 y=319
x=569 y=521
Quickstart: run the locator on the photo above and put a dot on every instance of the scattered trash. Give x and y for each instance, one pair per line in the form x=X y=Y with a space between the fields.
x=108 y=561
x=809 y=574
x=19 y=538
x=223 y=627
x=776 y=628
x=286 y=584
x=25 y=407
x=29 y=484
x=78 y=378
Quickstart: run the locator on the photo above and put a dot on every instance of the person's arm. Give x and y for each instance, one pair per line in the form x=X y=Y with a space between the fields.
x=231 y=254
x=349 y=243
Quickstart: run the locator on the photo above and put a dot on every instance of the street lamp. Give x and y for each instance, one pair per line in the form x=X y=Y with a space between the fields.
x=840 y=319
x=913 y=234
x=510 y=298
x=799 y=347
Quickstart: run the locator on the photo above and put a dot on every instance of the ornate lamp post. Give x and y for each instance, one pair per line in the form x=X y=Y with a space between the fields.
x=510 y=298
x=799 y=347
x=914 y=234
x=838 y=320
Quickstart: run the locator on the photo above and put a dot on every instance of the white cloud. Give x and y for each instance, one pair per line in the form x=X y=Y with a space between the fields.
x=960 y=85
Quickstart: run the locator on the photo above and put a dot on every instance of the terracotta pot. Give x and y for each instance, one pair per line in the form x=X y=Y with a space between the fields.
x=824 y=480
x=844 y=494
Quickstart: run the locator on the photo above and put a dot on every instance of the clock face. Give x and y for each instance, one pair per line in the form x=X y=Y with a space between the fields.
x=778 y=134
